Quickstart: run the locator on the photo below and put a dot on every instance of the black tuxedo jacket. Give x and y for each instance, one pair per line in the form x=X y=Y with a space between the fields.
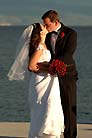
x=65 y=47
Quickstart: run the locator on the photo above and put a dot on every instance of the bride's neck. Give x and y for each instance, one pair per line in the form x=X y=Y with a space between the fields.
x=42 y=41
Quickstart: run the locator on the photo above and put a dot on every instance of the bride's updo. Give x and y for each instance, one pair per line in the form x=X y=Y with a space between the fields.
x=35 y=38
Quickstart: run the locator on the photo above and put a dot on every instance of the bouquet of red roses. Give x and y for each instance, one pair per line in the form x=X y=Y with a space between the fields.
x=57 y=66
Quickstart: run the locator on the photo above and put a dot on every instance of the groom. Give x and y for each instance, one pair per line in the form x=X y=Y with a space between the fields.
x=62 y=41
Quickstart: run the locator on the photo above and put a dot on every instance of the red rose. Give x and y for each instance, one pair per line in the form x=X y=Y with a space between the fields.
x=58 y=66
x=62 y=34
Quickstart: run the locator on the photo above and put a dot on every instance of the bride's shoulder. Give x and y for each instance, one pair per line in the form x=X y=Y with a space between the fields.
x=40 y=47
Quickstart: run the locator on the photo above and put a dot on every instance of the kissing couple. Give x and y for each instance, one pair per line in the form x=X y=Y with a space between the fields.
x=46 y=57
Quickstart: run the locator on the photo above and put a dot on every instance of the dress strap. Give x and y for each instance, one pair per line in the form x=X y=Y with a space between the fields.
x=40 y=47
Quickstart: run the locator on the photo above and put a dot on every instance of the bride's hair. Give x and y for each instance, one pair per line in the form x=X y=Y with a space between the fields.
x=35 y=38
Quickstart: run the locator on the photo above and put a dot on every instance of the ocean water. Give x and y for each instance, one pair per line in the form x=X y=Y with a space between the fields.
x=14 y=94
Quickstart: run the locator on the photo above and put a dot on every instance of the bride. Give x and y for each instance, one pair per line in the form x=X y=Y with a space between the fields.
x=46 y=114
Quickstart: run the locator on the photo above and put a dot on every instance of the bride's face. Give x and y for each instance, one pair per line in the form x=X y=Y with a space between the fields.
x=44 y=31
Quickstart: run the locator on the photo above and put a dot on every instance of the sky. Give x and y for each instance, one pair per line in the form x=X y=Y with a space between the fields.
x=25 y=12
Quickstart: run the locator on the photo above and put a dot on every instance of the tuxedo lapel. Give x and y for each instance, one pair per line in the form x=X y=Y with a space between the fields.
x=60 y=42
x=60 y=33
x=61 y=39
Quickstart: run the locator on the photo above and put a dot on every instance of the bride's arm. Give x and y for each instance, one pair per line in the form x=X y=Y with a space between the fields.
x=36 y=67
x=32 y=65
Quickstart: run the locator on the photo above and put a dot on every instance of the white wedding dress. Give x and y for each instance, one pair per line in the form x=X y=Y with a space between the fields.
x=47 y=119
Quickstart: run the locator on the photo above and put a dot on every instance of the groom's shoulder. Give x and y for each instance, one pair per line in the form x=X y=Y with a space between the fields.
x=70 y=30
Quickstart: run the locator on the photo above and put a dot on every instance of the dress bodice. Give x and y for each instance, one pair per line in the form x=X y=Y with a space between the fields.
x=46 y=56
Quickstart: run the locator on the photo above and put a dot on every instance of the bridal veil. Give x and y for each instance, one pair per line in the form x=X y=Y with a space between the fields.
x=18 y=70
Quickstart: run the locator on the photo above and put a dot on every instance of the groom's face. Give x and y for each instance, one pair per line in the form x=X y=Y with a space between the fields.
x=50 y=26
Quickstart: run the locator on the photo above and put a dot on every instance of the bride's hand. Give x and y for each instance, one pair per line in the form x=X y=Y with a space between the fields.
x=43 y=67
x=43 y=64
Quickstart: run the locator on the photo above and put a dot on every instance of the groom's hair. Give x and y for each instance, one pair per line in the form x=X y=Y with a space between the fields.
x=52 y=15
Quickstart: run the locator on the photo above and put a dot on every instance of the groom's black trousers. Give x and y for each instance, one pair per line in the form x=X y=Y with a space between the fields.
x=68 y=100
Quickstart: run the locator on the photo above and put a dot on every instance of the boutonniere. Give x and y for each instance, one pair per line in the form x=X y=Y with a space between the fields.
x=62 y=34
